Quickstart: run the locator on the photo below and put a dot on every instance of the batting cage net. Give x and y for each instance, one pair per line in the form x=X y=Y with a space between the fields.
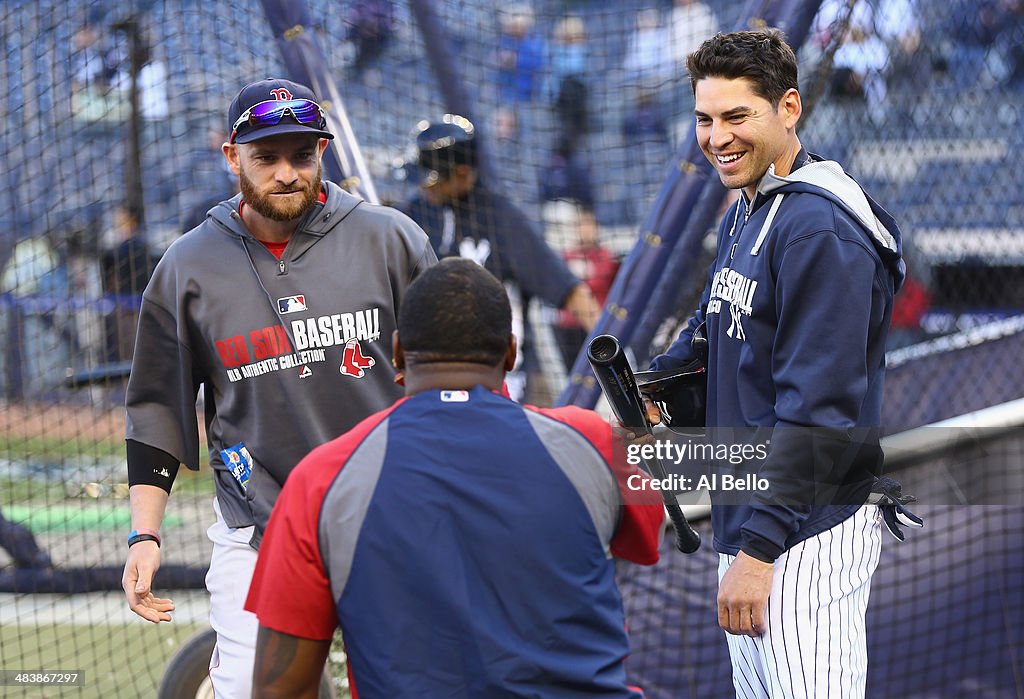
x=113 y=115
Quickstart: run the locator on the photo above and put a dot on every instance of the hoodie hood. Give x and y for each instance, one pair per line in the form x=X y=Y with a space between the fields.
x=315 y=225
x=827 y=178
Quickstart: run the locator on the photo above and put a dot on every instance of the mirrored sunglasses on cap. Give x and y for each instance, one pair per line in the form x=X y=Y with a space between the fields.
x=270 y=113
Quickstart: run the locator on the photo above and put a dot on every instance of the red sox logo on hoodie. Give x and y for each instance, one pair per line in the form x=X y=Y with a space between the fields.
x=306 y=341
x=353 y=361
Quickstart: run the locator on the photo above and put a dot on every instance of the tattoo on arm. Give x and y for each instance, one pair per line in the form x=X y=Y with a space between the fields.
x=287 y=666
x=280 y=654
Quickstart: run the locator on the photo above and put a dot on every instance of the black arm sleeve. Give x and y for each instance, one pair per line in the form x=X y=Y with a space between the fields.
x=150 y=466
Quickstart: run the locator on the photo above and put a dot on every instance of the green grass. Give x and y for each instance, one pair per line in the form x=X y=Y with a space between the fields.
x=38 y=493
x=50 y=490
x=194 y=482
x=54 y=449
x=22 y=490
x=117 y=661
x=79 y=517
x=45 y=449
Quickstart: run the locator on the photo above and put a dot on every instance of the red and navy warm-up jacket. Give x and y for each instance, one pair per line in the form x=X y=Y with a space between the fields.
x=464 y=545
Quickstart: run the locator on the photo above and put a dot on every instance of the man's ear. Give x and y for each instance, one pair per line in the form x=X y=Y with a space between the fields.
x=230 y=151
x=397 y=352
x=792 y=108
x=510 y=353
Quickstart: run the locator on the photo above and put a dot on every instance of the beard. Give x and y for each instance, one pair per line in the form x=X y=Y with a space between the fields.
x=267 y=205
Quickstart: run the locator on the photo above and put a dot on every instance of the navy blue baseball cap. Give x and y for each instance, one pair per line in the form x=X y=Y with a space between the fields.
x=274 y=106
x=443 y=145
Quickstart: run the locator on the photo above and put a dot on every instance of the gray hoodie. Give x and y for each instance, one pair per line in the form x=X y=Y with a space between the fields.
x=292 y=352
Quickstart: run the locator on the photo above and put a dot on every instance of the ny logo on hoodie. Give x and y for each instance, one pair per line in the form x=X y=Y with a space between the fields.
x=738 y=291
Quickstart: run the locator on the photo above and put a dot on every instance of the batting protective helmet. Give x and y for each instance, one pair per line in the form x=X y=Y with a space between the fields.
x=443 y=145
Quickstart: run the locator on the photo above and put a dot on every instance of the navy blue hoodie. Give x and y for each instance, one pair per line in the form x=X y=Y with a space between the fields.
x=797 y=308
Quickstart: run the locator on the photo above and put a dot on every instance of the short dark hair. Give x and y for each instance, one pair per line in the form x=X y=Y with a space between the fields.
x=763 y=57
x=456 y=311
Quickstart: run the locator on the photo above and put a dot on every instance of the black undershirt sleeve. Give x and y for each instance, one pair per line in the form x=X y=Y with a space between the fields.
x=150 y=466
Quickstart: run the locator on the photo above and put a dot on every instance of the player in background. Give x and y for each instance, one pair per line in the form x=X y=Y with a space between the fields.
x=463 y=542
x=281 y=304
x=797 y=310
x=464 y=217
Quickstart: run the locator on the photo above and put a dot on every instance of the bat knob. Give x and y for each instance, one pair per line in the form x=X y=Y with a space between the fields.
x=687 y=540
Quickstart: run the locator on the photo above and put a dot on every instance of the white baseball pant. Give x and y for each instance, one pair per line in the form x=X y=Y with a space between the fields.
x=231 y=568
x=815 y=642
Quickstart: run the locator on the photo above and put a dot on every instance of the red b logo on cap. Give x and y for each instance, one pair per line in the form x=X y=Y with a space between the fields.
x=281 y=93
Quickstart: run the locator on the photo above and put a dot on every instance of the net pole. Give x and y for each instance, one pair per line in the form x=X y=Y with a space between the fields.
x=306 y=62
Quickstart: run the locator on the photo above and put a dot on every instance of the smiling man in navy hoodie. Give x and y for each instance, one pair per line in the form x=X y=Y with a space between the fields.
x=797 y=309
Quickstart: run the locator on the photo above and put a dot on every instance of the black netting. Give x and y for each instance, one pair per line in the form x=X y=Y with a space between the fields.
x=920 y=101
x=945 y=609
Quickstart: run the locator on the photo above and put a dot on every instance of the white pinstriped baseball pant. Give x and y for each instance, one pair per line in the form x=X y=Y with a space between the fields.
x=815 y=644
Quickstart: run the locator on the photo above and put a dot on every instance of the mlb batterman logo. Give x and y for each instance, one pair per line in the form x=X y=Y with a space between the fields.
x=291 y=304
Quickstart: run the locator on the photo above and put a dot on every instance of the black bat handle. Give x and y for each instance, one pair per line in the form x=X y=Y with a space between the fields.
x=687 y=538
x=618 y=383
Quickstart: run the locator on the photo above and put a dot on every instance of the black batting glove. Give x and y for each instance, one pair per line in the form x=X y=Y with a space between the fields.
x=887 y=493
